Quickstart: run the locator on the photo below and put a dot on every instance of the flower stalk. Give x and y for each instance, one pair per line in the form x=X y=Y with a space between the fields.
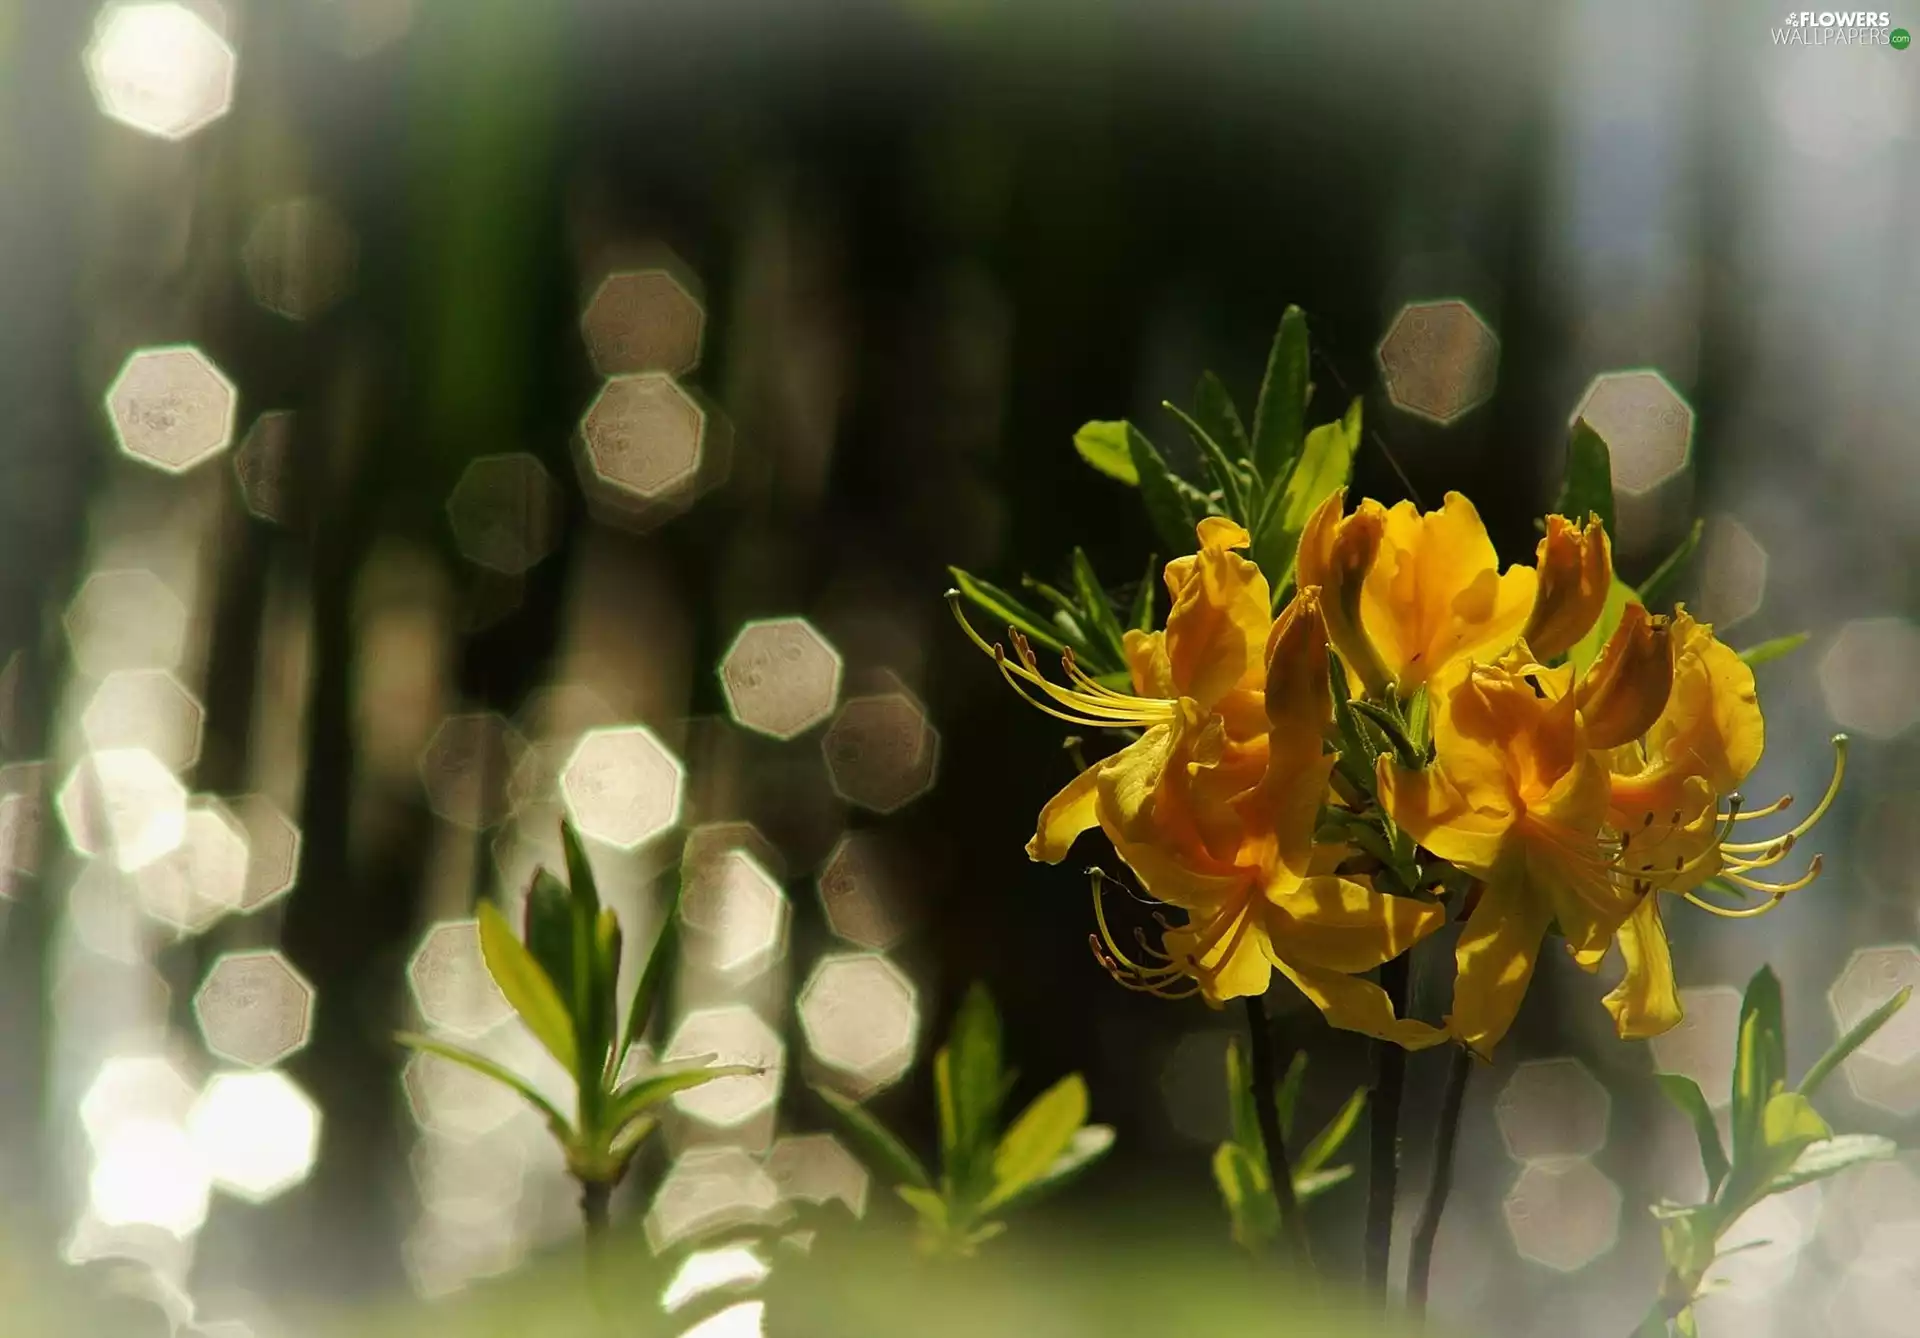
x=1446 y=1138
x=1383 y=1164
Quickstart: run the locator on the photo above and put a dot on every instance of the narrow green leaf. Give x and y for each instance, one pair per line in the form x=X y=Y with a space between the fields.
x=1788 y=1120
x=1311 y=1185
x=1100 y=618
x=627 y=1139
x=580 y=880
x=886 y=1154
x=931 y=1208
x=1588 y=486
x=1142 y=616
x=1323 y=468
x=487 y=1068
x=1685 y=1094
x=1857 y=1035
x=1286 y=1100
x=1226 y=480
x=1587 y=649
x=1655 y=1323
x=548 y=929
x=1657 y=586
x=1172 y=515
x=1104 y=446
x=1326 y=1143
x=1279 y=416
x=1404 y=751
x=1686 y=1324
x=1007 y=611
x=653 y=976
x=978 y=1086
x=1213 y=409
x=1759 y=1062
x=1775 y=649
x=1243 y=1186
x=1088 y=1145
x=1359 y=755
x=642 y=1094
x=527 y=987
x=1245 y=1121
x=1830 y=1157
x=1041 y=1133
x=608 y=941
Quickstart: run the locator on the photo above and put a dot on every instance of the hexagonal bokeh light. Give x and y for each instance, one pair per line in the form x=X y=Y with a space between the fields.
x=256 y=1132
x=299 y=257
x=254 y=1008
x=273 y=849
x=1646 y=424
x=1733 y=573
x=860 y=1015
x=780 y=677
x=643 y=321
x=881 y=751
x=621 y=786
x=123 y=803
x=860 y=890
x=203 y=877
x=263 y=465
x=739 y=910
x=644 y=435
x=171 y=408
x=160 y=68
x=1563 y=1214
x=1867 y=676
x=148 y=709
x=134 y=1087
x=817 y=1168
x=736 y=1034
x=147 y=1172
x=126 y=619
x=467 y=768
x=704 y=1272
x=505 y=512
x=1439 y=360
x=452 y=1100
x=710 y=1189
x=1552 y=1108
x=451 y=985
x=1701 y=1046
x=1870 y=977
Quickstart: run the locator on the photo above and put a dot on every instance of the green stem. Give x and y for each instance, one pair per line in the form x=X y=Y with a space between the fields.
x=1445 y=1139
x=1383 y=1164
x=1265 y=1078
x=596 y=1200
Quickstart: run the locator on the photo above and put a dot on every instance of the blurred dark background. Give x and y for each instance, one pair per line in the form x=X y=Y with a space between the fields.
x=923 y=240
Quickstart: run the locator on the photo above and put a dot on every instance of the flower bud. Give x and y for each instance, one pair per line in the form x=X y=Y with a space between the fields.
x=1336 y=553
x=1299 y=697
x=1626 y=689
x=1576 y=568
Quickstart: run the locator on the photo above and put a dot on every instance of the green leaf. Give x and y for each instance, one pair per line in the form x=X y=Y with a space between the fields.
x=1311 y=1185
x=1172 y=515
x=1789 y=1123
x=1226 y=480
x=1324 y=465
x=1588 y=486
x=1685 y=1093
x=527 y=987
x=1658 y=585
x=1830 y=1157
x=1213 y=409
x=887 y=1155
x=1359 y=755
x=929 y=1205
x=627 y=1140
x=1286 y=1100
x=580 y=880
x=1100 y=616
x=548 y=925
x=1759 y=1062
x=969 y=1073
x=1775 y=649
x=1088 y=1145
x=659 y=961
x=1104 y=446
x=1006 y=610
x=1043 y=1131
x=1246 y=1120
x=1587 y=649
x=1857 y=1035
x=642 y=1094
x=1654 y=1325
x=487 y=1068
x=1142 y=616
x=1404 y=751
x=1243 y=1187
x=1326 y=1143
x=607 y=944
x=1280 y=415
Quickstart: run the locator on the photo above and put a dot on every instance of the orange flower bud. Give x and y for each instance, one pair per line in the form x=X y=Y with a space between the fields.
x=1336 y=553
x=1626 y=689
x=1576 y=569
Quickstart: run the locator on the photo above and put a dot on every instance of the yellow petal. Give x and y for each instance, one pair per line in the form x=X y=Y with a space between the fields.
x=1148 y=664
x=1646 y=1001
x=1226 y=954
x=1065 y=816
x=1494 y=961
x=1344 y=925
x=1335 y=555
x=1128 y=782
x=1221 y=613
x=1712 y=725
x=1299 y=698
x=1352 y=1003
x=1627 y=688
x=1435 y=813
x=1575 y=567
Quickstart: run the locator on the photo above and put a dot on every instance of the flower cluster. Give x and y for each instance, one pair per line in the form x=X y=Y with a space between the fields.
x=1415 y=730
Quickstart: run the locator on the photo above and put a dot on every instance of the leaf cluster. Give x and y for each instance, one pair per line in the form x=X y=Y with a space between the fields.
x=1240 y=1163
x=985 y=1171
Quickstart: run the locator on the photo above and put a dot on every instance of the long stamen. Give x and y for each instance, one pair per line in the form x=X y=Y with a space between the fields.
x=1775 y=893
x=1107 y=947
x=1840 y=743
x=1107 y=710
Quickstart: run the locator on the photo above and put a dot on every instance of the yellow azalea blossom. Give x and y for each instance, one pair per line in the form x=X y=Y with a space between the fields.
x=1575 y=569
x=1410 y=593
x=1665 y=796
x=1516 y=797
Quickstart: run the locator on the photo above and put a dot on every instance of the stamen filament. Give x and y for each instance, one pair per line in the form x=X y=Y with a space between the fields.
x=1840 y=742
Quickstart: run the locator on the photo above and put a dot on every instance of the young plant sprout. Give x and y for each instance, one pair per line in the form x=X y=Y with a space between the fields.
x=560 y=977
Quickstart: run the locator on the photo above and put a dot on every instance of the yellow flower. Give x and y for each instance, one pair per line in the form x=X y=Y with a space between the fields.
x=1517 y=798
x=1664 y=806
x=1575 y=568
x=1409 y=594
